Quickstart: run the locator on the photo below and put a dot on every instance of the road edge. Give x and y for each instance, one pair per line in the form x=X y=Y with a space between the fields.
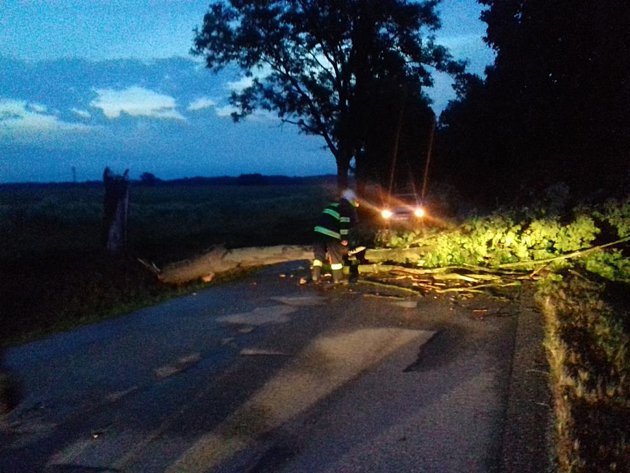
x=527 y=428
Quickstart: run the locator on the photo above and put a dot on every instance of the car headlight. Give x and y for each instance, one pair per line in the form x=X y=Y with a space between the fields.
x=419 y=212
x=386 y=214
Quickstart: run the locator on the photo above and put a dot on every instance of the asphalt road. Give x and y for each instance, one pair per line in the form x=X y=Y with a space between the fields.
x=265 y=375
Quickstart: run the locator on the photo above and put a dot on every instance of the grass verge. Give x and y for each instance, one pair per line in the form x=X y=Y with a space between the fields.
x=587 y=345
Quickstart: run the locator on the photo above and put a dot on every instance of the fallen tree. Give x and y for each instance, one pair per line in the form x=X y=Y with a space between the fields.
x=502 y=249
x=221 y=260
x=481 y=254
x=387 y=264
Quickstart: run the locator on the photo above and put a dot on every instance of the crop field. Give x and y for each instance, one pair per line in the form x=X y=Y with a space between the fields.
x=54 y=273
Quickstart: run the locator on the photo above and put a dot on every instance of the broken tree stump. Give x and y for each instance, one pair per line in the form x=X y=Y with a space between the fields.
x=115 y=211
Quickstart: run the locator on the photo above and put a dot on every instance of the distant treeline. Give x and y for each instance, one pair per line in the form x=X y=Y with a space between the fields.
x=253 y=180
x=151 y=180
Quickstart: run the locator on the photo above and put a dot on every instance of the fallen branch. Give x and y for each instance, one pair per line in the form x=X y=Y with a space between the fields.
x=149 y=265
x=478 y=287
x=445 y=280
x=381 y=286
x=574 y=254
x=220 y=260
x=464 y=278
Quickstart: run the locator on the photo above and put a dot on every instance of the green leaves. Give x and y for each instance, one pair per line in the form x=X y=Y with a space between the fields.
x=617 y=215
x=506 y=238
x=609 y=265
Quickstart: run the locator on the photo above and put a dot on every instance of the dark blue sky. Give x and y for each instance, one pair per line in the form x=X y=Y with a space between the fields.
x=86 y=85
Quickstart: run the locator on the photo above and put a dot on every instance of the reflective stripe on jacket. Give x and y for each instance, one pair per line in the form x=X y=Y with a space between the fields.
x=335 y=220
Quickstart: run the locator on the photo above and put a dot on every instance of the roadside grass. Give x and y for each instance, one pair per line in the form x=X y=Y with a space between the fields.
x=54 y=275
x=588 y=348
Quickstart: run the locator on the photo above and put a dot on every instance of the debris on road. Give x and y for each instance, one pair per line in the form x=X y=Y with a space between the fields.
x=276 y=314
x=180 y=365
x=261 y=352
x=301 y=301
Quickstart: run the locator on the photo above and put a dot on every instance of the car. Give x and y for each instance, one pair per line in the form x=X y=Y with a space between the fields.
x=402 y=208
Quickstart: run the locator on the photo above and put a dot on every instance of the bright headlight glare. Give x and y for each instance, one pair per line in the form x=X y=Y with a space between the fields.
x=386 y=214
x=419 y=212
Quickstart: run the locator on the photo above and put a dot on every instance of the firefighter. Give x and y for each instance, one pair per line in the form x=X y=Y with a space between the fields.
x=331 y=235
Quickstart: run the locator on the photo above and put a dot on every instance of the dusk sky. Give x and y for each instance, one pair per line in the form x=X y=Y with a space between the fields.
x=86 y=84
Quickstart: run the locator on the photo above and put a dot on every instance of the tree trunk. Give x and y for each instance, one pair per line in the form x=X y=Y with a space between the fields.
x=220 y=260
x=342 y=173
x=361 y=172
x=115 y=211
x=343 y=159
x=397 y=255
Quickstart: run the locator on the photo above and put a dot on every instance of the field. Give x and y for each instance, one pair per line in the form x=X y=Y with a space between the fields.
x=54 y=273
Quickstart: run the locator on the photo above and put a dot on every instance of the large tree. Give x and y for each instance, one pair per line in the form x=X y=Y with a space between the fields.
x=318 y=63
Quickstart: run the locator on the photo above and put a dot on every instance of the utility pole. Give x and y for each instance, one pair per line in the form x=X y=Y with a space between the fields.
x=425 y=178
x=396 y=142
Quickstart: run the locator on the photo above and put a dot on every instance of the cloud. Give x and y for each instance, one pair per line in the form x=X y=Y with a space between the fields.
x=136 y=101
x=133 y=117
x=81 y=113
x=201 y=103
x=471 y=48
x=23 y=116
x=239 y=85
x=37 y=107
x=247 y=80
x=261 y=116
x=226 y=111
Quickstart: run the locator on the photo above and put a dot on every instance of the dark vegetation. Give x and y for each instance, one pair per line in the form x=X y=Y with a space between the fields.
x=55 y=274
x=555 y=106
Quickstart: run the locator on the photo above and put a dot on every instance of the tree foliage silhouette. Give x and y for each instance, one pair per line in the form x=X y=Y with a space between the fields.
x=318 y=63
x=556 y=104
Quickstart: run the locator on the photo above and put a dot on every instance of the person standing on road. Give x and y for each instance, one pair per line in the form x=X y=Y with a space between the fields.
x=331 y=235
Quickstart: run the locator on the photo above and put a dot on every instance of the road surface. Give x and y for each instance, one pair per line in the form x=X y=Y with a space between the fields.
x=266 y=375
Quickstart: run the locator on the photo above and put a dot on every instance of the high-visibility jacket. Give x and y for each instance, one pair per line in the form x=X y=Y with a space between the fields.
x=336 y=220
